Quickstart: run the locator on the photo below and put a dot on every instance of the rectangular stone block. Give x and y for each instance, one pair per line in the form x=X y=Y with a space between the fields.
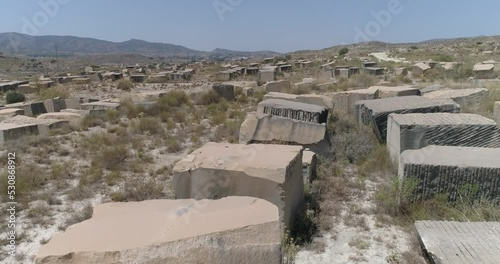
x=314 y=99
x=226 y=91
x=345 y=101
x=278 y=86
x=268 y=129
x=54 y=105
x=30 y=109
x=99 y=105
x=463 y=97
x=44 y=125
x=294 y=110
x=416 y=131
x=10 y=132
x=242 y=230
x=269 y=172
x=376 y=112
x=453 y=171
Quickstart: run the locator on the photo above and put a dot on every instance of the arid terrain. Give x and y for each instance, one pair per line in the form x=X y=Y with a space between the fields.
x=128 y=133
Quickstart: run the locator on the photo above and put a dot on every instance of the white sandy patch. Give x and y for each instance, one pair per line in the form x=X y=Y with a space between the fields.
x=384 y=56
x=381 y=242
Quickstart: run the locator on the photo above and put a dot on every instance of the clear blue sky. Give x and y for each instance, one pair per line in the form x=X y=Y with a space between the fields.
x=279 y=25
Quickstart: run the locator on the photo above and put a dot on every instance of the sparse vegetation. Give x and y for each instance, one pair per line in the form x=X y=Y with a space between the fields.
x=51 y=93
x=124 y=85
x=14 y=97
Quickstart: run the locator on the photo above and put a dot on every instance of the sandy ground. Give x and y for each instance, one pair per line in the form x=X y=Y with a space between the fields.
x=384 y=56
x=375 y=242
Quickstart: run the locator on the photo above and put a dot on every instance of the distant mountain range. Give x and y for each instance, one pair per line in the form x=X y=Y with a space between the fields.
x=21 y=44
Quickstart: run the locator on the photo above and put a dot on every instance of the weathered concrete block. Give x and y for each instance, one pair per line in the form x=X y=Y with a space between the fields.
x=96 y=77
x=30 y=109
x=9 y=132
x=314 y=99
x=267 y=75
x=54 y=105
x=345 y=101
x=397 y=91
x=138 y=78
x=248 y=91
x=264 y=128
x=452 y=170
x=294 y=110
x=84 y=112
x=376 y=112
x=278 y=86
x=230 y=230
x=496 y=112
x=416 y=131
x=44 y=125
x=226 y=91
x=99 y=105
x=81 y=81
x=463 y=97
x=269 y=172
x=73 y=118
x=10 y=112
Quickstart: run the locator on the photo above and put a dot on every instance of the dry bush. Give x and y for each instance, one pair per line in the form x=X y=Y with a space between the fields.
x=112 y=157
x=124 y=85
x=208 y=98
x=142 y=188
x=351 y=142
x=51 y=93
x=77 y=217
x=173 y=145
x=363 y=80
x=148 y=125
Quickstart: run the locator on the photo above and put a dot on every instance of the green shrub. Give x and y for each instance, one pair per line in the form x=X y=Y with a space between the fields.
x=343 y=51
x=124 y=85
x=14 y=97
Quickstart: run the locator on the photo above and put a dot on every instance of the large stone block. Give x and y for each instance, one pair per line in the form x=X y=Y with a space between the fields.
x=9 y=132
x=314 y=99
x=496 y=112
x=10 y=112
x=226 y=91
x=345 y=101
x=54 y=105
x=416 y=131
x=30 y=109
x=269 y=172
x=453 y=171
x=267 y=75
x=294 y=110
x=278 y=86
x=230 y=230
x=376 y=112
x=99 y=105
x=44 y=125
x=73 y=118
x=463 y=97
x=81 y=81
x=397 y=91
x=264 y=128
